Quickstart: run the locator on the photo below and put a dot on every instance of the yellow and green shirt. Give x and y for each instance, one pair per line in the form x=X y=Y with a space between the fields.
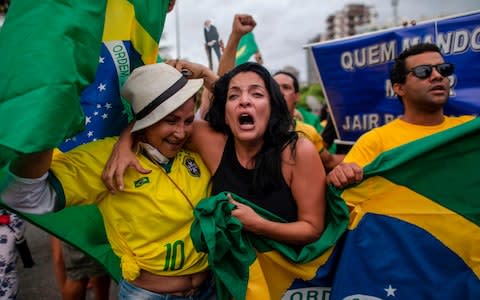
x=148 y=223
x=393 y=134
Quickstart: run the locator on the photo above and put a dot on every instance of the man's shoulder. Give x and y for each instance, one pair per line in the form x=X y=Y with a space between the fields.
x=459 y=120
x=305 y=128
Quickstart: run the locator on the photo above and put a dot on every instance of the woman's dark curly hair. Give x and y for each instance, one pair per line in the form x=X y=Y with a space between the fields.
x=278 y=135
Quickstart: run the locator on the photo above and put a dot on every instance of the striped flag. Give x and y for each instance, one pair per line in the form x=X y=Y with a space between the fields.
x=51 y=86
x=64 y=67
x=413 y=233
x=414 y=228
x=247 y=266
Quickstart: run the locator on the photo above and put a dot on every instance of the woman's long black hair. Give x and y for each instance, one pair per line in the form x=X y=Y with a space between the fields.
x=278 y=135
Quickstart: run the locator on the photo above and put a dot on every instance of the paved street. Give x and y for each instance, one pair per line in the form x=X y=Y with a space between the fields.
x=38 y=283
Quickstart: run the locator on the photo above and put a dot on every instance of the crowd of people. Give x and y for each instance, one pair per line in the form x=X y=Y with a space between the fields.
x=247 y=142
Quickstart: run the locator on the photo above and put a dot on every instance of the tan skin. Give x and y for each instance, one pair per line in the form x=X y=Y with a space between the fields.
x=423 y=101
x=168 y=136
x=287 y=88
x=243 y=24
x=303 y=173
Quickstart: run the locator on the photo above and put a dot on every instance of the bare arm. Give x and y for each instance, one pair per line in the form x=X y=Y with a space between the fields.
x=307 y=182
x=195 y=71
x=242 y=24
x=122 y=156
x=120 y=159
x=32 y=165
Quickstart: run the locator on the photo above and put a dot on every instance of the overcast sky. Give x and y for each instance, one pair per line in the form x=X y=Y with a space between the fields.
x=284 y=26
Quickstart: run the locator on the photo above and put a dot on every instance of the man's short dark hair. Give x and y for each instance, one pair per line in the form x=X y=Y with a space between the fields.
x=296 y=87
x=398 y=74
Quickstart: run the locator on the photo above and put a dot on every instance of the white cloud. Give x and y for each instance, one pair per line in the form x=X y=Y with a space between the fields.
x=283 y=26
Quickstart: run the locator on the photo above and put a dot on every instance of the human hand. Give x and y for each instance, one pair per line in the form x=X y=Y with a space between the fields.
x=246 y=215
x=189 y=69
x=243 y=24
x=258 y=58
x=193 y=70
x=345 y=174
x=120 y=159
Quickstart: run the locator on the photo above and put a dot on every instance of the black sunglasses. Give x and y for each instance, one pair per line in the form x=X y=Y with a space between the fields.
x=424 y=71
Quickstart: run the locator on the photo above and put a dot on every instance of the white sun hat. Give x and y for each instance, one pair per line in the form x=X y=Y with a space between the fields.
x=156 y=90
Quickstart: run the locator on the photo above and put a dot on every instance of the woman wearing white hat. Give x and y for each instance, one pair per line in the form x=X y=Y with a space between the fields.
x=148 y=225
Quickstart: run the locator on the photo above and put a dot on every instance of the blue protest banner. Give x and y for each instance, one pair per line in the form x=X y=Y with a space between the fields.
x=354 y=71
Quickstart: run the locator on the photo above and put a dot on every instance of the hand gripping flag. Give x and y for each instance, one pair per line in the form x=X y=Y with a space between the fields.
x=63 y=64
x=414 y=228
x=247 y=266
x=414 y=233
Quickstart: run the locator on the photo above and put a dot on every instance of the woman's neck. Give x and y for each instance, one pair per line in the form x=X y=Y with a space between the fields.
x=246 y=153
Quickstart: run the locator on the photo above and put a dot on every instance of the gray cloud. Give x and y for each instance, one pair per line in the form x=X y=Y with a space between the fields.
x=283 y=26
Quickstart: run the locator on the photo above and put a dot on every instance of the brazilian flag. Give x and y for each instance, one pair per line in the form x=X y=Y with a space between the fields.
x=63 y=64
x=414 y=229
x=50 y=51
x=413 y=232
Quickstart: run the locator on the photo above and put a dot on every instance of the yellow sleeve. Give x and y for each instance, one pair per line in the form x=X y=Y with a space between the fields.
x=78 y=171
x=365 y=149
x=310 y=133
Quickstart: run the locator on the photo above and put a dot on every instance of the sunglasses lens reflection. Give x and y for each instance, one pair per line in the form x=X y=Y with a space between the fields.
x=424 y=71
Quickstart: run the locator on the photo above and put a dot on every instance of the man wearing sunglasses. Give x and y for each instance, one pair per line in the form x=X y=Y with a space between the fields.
x=420 y=80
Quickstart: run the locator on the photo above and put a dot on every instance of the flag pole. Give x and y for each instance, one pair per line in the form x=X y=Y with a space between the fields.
x=177 y=27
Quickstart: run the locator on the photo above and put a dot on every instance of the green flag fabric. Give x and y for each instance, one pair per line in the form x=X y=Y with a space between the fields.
x=233 y=253
x=49 y=53
x=415 y=222
x=62 y=60
x=413 y=226
x=246 y=48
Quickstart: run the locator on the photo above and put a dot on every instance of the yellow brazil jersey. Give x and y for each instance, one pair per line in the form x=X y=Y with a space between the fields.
x=148 y=223
x=310 y=133
x=393 y=134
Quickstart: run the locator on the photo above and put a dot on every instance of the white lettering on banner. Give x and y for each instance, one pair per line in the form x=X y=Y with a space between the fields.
x=368 y=56
x=387 y=118
x=409 y=42
x=361 y=122
x=451 y=42
x=365 y=122
x=313 y=293
x=390 y=93
x=459 y=41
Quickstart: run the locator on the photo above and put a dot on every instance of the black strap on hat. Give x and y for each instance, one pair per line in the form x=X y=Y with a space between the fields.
x=180 y=83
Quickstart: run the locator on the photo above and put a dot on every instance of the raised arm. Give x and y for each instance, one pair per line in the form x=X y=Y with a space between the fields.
x=242 y=24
